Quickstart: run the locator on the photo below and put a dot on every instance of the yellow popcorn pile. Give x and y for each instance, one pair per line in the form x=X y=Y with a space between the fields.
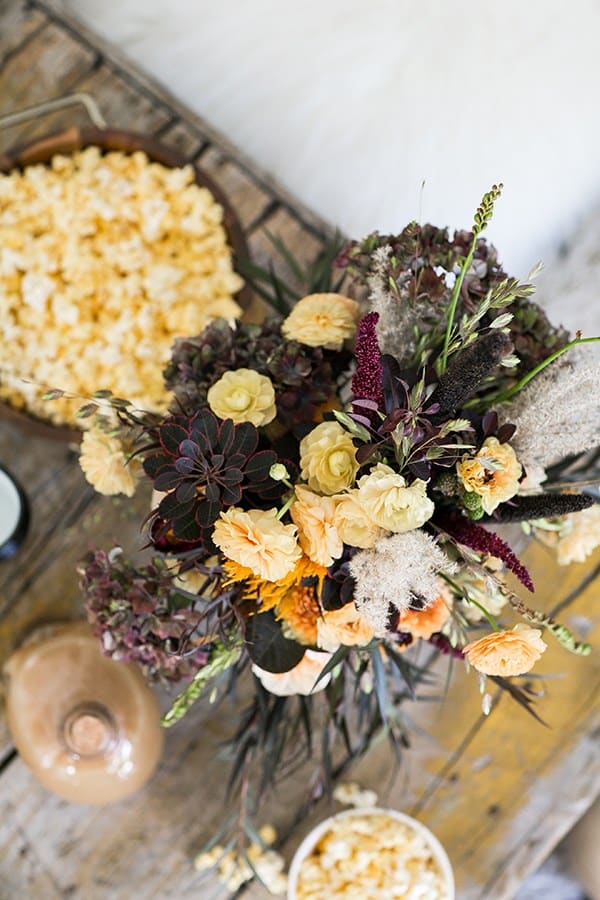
x=371 y=857
x=233 y=869
x=104 y=261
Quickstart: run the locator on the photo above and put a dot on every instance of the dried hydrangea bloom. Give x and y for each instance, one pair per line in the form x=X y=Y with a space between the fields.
x=493 y=473
x=243 y=396
x=322 y=320
x=328 y=458
x=317 y=532
x=105 y=464
x=343 y=626
x=506 y=653
x=299 y=680
x=257 y=539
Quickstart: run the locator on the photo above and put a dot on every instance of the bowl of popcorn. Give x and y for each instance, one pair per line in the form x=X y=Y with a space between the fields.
x=111 y=247
x=371 y=854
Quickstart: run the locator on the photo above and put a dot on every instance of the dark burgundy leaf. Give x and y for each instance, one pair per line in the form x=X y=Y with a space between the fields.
x=246 y=439
x=189 y=448
x=184 y=465
x=212 y=491
x=505 y=432
x=257 y=468
x=233 y=476
x=171 y=436
x=207 y=512
x=186 y=492
x=226 y=436
x=167 y=480
x=490 y=423
x=231 y=494
x=268 y=648
x=154 y=463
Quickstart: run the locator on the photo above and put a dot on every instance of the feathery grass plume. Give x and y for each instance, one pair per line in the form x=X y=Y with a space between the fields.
x=397 y=569
x=480 y=539
x=397 y=321
x=541 y=506
x=467 y=370
x=557 y=414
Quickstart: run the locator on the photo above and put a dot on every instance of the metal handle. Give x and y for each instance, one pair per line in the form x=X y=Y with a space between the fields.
x=50 y=106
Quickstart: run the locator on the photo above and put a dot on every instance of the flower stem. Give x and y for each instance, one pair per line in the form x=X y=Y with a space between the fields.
x=454 y=300
x=223 y=657
x=546 y=362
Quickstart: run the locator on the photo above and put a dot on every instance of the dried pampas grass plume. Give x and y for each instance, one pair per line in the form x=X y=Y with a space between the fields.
x=397 y=569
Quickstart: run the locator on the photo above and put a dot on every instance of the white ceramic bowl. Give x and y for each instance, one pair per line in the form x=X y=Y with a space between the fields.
x=314 y=836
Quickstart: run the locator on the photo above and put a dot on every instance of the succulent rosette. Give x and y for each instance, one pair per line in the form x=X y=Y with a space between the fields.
x=332 y=485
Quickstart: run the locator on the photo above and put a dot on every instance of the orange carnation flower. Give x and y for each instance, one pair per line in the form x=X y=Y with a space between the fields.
x=506 y=653
x=422 y=623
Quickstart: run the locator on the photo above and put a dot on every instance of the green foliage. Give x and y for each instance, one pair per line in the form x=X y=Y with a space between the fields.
x=485 y=210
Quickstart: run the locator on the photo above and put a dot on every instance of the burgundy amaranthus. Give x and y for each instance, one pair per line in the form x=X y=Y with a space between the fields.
x=477 y=538
x=367 y=380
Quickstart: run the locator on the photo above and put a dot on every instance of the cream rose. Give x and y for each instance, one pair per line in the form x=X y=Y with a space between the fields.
x=257 y=539
x=322 y=320
x=328 y=458
x=493 y=473
x=243 y=395
x=299 y=680
x=343 y=626
x=390 y=503
x=105 y=464
x=317 y=532
x=353 y=523
x=575 y=536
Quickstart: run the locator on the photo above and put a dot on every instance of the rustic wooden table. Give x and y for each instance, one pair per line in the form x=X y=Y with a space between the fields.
x=499 y=792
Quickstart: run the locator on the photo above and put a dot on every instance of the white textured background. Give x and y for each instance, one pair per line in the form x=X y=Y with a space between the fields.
x=352 y=104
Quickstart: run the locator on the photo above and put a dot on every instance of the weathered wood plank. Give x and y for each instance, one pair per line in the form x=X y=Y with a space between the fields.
x=119 y=103
x=248 y=199
x=183 y=138
x=18 y=21
x=49 y=65
x=55 y=10
x=282 y=224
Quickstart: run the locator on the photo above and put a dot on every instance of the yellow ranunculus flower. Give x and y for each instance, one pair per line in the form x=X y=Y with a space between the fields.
x=243 y=395
x=506 y=653
x=328 y=458
x=322 y=320
x=390 y=503
x=495 y=482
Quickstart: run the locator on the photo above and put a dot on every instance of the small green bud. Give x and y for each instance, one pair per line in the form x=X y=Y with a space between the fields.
x=471 y=501
x=278 y=472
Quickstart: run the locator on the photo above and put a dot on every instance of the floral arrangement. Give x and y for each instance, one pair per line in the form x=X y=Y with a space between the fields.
x=330 y=487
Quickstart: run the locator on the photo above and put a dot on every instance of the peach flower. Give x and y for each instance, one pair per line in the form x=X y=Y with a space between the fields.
x=299 y=680
x=243 y=395
x=322 y=320
x=328 y=458
x=300 y=612
x=506 y=653
x=422 y=623
x=104 y=461
x=258 y=540
x=353 y=523
x=343 y=626
x=493 y=473
x=317 y=532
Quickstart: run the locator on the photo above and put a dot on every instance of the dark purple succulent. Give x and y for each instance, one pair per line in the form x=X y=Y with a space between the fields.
x=204 y=465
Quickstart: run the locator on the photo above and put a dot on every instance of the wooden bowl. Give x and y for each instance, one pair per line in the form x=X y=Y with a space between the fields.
x=107 y=139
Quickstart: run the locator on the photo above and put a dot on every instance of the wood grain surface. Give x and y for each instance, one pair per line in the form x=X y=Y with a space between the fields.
x=499 y=791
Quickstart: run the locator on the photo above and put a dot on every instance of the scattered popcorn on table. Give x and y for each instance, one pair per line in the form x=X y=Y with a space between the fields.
x=349 y=793
x=104 y=261
x=233 y=870
x=371 y=857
